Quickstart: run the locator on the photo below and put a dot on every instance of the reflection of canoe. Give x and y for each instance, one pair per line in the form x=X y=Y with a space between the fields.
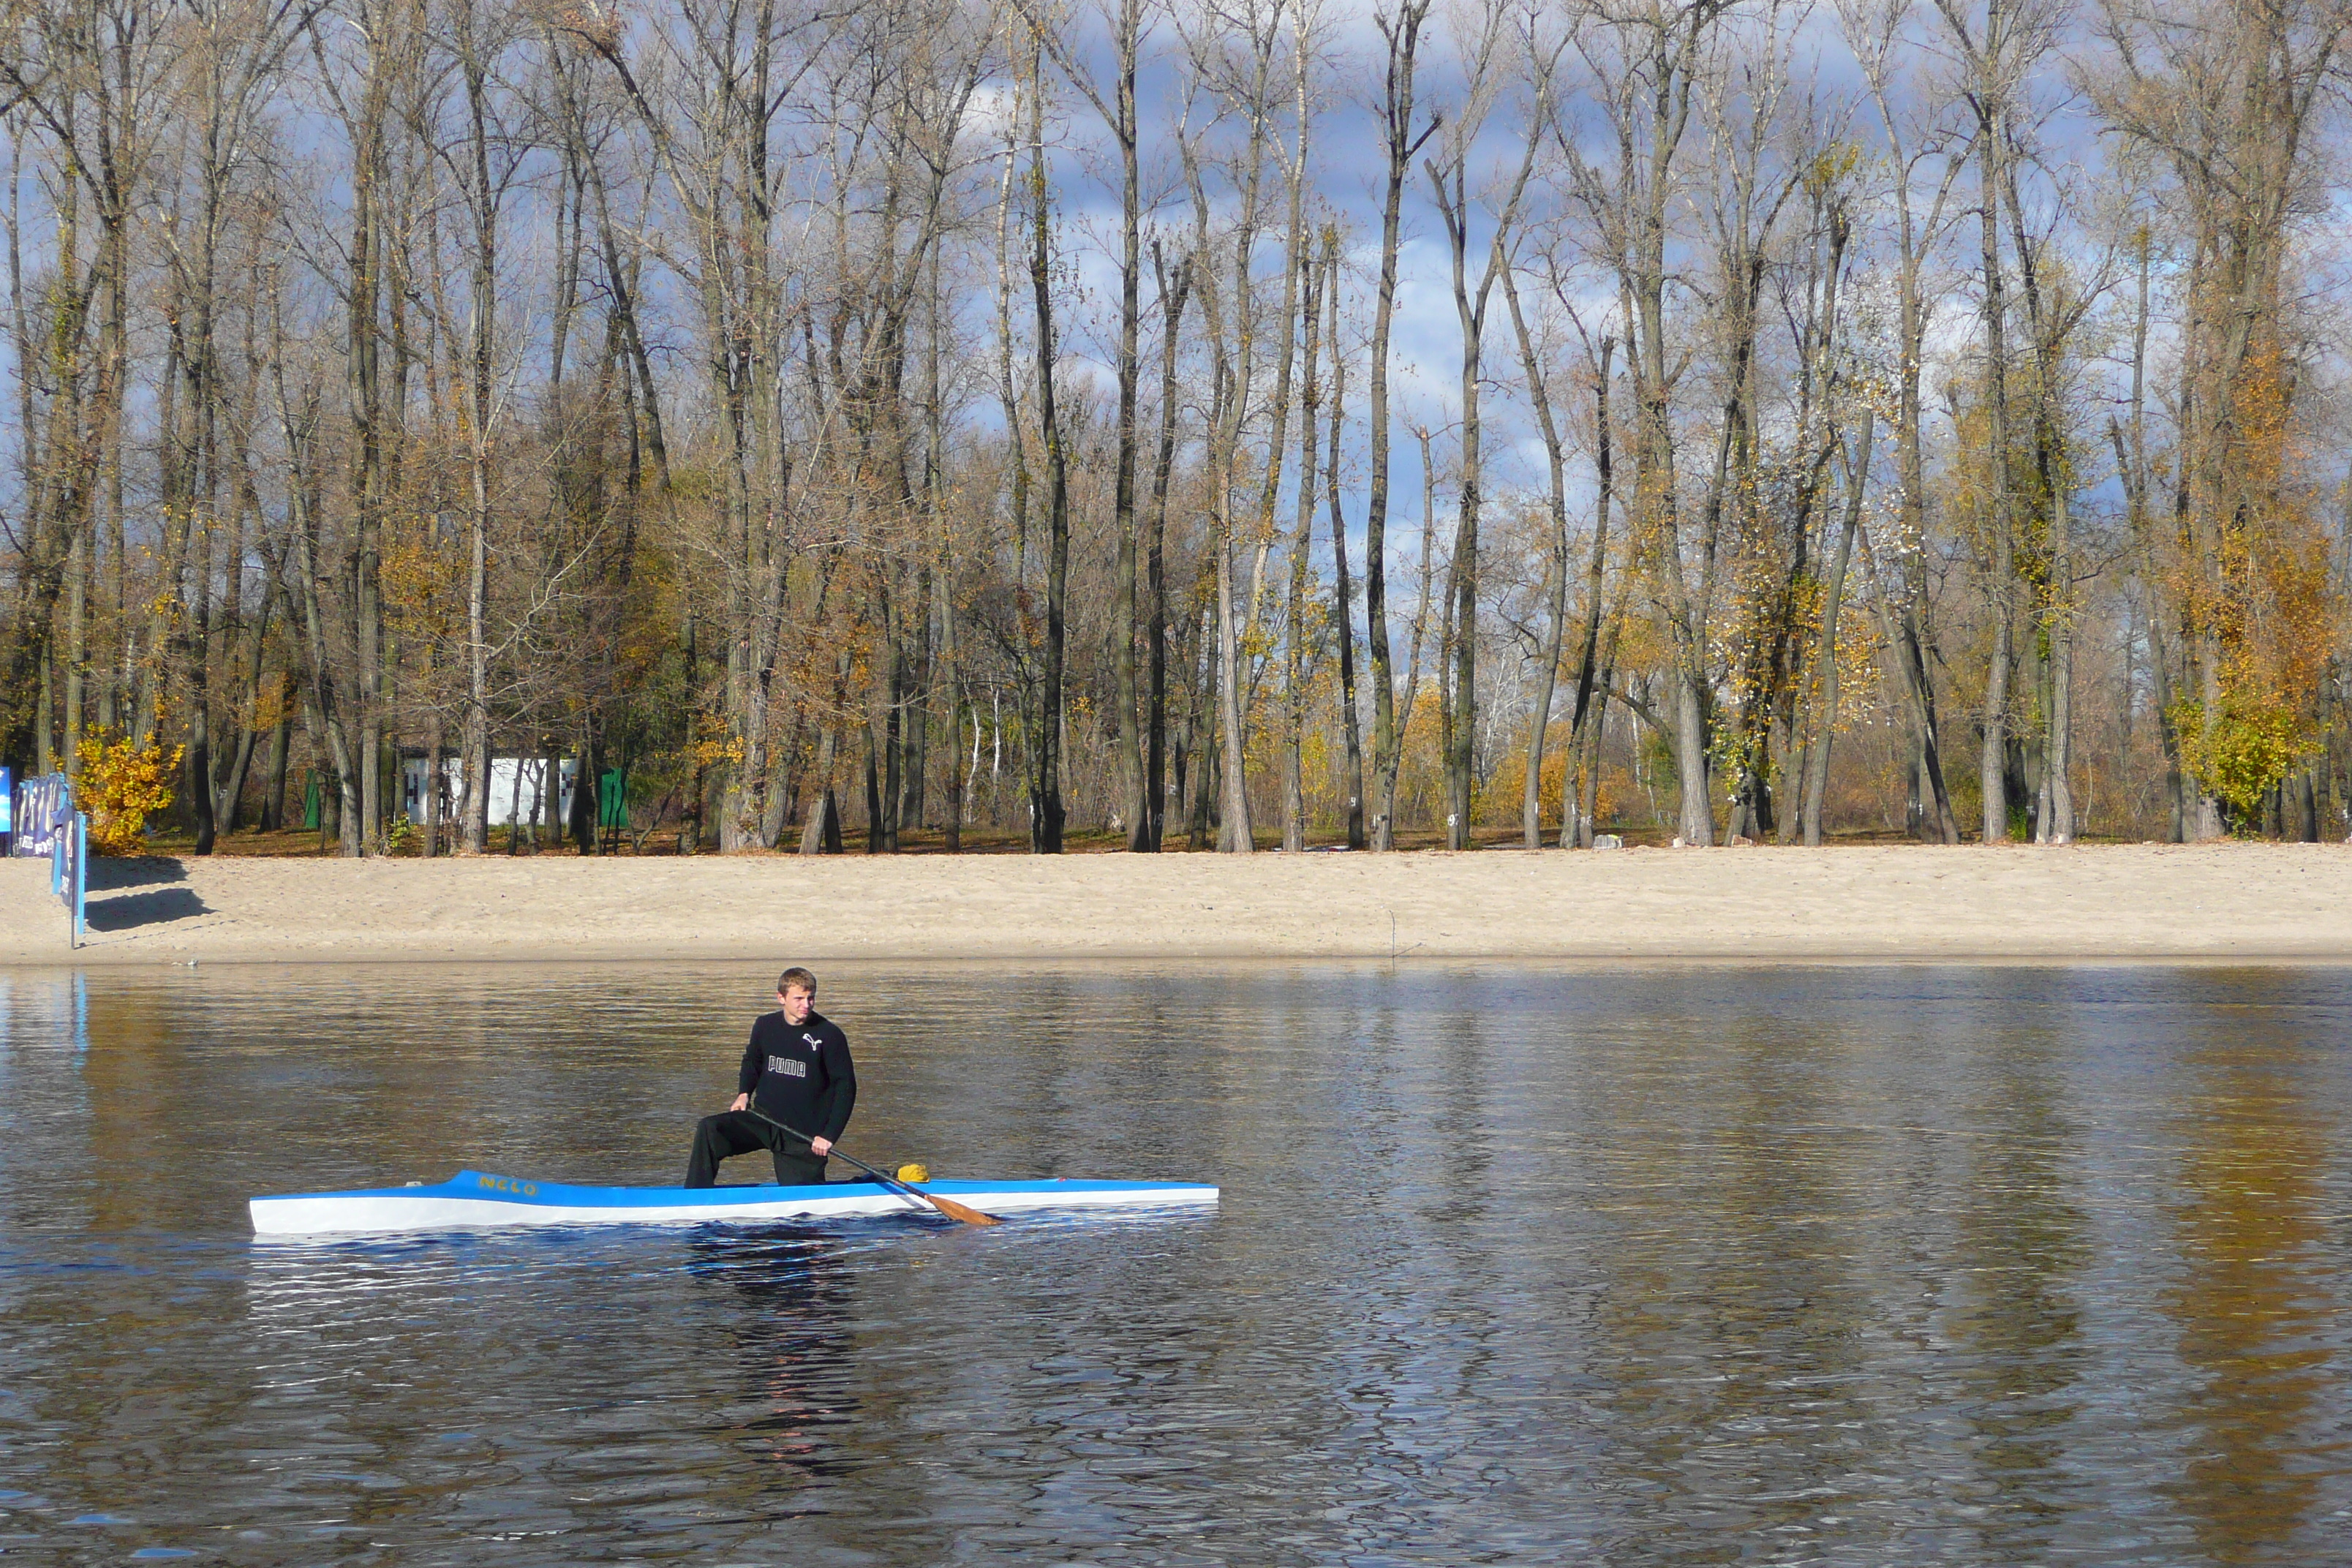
x=471 y=1200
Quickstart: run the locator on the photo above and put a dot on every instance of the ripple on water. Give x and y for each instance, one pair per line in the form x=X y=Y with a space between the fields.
x=1514 y=1263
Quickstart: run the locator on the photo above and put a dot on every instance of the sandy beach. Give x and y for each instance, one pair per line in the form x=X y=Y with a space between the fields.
x=2211 y=902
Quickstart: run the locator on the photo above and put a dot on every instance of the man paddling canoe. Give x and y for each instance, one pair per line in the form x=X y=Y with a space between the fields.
x=796 y=1072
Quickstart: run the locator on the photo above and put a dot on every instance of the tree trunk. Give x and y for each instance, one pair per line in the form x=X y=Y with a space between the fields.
x=1293 y=792
x=1554 y=596
x=1343 y=627
x=1403 y=37
x=1139 y=808
x=821 y=828
x=1992 y=755
x=1046 y=819
x=282 y=744
x=1825 y=706
x=1173 y=292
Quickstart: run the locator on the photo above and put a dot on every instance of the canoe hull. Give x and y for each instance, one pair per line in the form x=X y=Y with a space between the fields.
x=472 y=1199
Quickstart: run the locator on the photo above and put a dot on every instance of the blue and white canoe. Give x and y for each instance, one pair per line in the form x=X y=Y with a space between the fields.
x=471 y=1200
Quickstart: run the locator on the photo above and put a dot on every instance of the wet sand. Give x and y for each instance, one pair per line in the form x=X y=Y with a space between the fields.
x=2082 y=903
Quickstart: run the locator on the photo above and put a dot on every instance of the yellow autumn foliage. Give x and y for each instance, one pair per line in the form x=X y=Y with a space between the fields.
x=120 y=785
x=2243 y=749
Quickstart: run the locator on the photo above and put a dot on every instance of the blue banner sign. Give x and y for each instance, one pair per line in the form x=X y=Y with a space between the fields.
x=7 y=801
x=42 y=808
x=70 y=871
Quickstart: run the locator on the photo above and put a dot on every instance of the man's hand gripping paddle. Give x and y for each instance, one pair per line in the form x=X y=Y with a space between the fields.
x=947 y=1207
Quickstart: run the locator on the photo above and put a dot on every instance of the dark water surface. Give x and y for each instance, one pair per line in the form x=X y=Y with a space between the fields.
x=1515 y=1264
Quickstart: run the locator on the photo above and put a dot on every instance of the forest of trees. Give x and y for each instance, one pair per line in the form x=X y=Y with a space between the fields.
x=1195 y=422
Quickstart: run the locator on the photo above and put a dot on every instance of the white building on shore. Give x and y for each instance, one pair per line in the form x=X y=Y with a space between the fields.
x=519 y=788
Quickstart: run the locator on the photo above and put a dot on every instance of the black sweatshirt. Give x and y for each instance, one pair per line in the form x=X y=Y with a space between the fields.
x=800 y=1075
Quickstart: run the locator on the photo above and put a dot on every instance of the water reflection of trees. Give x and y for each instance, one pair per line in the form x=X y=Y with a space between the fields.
x=2022 y=1245
x=2252 y=1303
x=1755 y=1405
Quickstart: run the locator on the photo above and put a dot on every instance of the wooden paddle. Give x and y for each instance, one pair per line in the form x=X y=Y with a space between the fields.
x=947 y=1207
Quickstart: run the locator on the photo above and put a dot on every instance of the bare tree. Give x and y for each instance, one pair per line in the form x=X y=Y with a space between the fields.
x=1399 y=28
x=1644 y=66
x=1917 y=143
x=1489 y=54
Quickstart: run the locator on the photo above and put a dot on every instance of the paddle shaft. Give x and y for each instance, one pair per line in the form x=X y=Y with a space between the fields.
x=948 y=1207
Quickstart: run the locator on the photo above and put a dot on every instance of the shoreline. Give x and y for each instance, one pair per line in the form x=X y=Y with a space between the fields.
x=2173 y=904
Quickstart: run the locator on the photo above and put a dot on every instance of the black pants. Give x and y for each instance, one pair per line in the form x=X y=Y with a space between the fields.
x=733 y=1132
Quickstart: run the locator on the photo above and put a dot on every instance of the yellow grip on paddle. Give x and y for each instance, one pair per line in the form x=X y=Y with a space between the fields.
x=914 y=1172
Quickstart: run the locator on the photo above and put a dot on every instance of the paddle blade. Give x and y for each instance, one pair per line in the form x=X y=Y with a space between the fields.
x=955 y=1210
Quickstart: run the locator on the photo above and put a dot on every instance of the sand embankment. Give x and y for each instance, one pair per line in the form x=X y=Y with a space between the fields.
x=2228 y=902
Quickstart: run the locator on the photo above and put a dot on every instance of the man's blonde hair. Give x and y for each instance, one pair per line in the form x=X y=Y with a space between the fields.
x=795 y=976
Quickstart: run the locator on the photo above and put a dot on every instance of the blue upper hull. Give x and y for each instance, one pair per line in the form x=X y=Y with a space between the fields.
x=562 y=1194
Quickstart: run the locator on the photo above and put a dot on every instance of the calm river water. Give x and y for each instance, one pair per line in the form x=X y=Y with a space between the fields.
x=1515 y=1264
